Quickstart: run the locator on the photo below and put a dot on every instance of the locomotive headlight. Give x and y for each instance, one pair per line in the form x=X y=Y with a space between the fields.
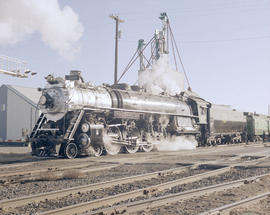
x=42 y=100
x=85 y=127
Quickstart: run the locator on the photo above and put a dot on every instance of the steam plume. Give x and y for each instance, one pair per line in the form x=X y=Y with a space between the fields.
x=161 y=78
x=60 y=28
x=176 y=143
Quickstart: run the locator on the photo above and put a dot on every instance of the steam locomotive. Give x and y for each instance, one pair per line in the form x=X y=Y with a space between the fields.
x=84 y=119
x=81 y=119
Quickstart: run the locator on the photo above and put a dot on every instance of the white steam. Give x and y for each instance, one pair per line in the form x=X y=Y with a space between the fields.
x=60 y=28
x=176 y=143
x=161 y=78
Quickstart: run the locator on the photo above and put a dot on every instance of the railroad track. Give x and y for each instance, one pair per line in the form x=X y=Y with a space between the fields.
x=80 y=208
x=76 y=166
x=29 y=173
x=85 y=188
x=84 y=165
x=6 y=166
x=50 y=162
x=11 y=203
x=227 y=208
x=27 y=163
x=140 y=205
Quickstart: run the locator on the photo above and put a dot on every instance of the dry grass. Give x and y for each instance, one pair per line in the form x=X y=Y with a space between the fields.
x=72 y=174
x=48 y=176
x=53 y=176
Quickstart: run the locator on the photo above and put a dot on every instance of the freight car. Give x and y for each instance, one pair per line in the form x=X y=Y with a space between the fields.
x=226 y=125
x=258 y=126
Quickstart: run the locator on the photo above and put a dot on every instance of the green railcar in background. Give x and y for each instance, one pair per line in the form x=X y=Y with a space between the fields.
x=258 y=127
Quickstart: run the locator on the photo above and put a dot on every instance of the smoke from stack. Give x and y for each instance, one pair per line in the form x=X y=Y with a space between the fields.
x=60 y=29
x=161 y=78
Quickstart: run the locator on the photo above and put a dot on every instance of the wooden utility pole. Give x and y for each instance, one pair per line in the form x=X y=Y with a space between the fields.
x=117 y=21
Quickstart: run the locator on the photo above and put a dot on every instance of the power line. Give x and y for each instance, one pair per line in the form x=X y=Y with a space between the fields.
x=227 y=40
x=212 y=41
x=209 y=8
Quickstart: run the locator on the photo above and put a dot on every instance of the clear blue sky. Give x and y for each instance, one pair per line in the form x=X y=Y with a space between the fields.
x=224 y=44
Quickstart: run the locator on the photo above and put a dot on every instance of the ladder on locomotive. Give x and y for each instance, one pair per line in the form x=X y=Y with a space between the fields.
x=74 y=123
x=38 y=125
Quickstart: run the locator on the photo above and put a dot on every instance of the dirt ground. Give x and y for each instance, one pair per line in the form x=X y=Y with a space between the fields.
x=14 y=154
x=261 y=207
x=15 y=150
x=214 y=200
x=138 y=163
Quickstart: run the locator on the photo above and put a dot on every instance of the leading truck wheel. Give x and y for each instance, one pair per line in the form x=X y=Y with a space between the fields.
x=96 y=150
x=71 y=150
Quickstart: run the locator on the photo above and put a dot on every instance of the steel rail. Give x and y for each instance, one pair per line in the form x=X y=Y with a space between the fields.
x=226 y=208
x=56 y=194
x=7 y=174
x=58 y=169
x=20 y=163
x=61 y=168
x=171 y=198
x=86 y=206
x=6 y=166
x=85 y=188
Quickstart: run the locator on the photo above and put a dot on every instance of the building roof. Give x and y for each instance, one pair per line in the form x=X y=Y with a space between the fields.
x=30 y=94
